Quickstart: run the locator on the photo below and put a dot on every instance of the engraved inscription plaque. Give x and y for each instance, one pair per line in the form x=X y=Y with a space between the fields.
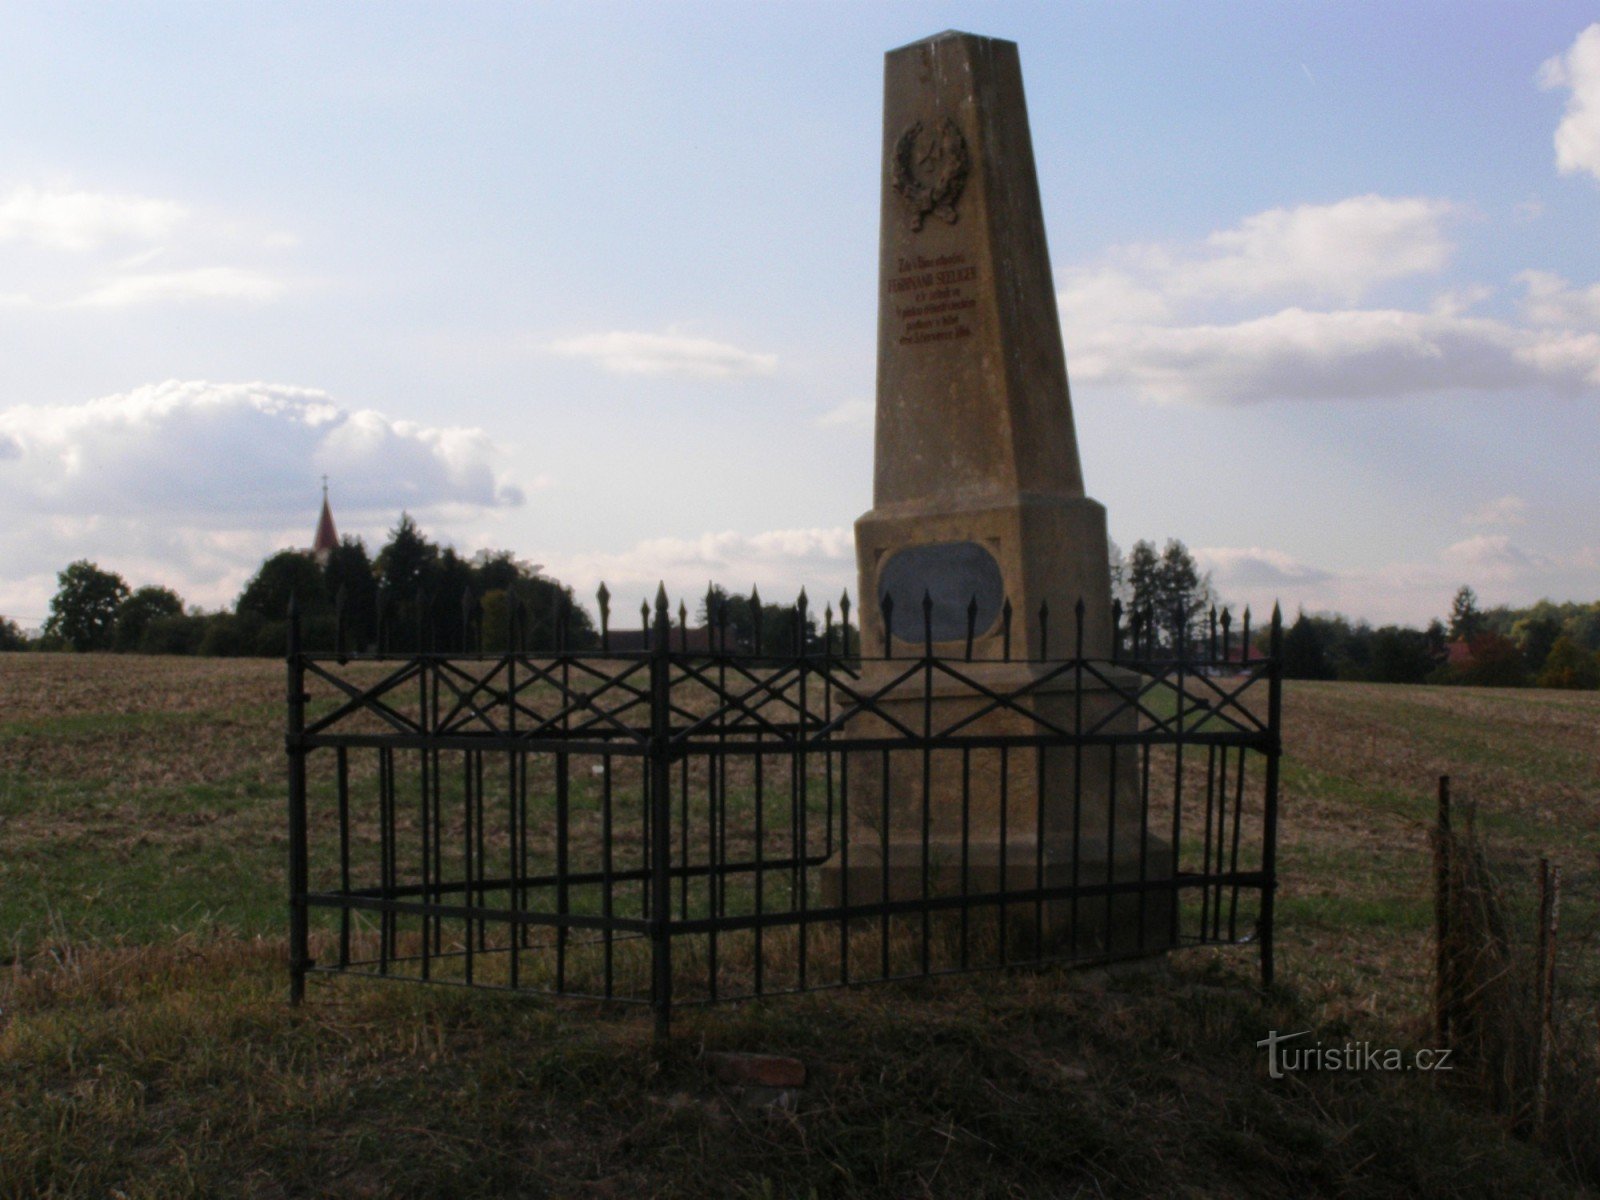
x=953 y=574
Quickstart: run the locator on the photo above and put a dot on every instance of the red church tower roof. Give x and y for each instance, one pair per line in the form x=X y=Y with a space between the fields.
x=327 y=536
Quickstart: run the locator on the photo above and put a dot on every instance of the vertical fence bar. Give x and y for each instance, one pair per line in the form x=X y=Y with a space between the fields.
x=1077 y=788
x=344 y=853
x=802 y=831
x=924 y=960
x=299 y=932
x=661 y=816
x=1174 y=920
x=1269 y=830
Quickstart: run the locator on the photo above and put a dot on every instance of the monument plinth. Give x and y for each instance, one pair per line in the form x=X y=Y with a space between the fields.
x=978 y=498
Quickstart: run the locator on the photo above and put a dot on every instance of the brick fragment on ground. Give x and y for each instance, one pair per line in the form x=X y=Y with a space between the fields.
x=757 y=1070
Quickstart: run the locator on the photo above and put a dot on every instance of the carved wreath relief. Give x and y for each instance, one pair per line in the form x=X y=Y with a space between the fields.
x=929 y=169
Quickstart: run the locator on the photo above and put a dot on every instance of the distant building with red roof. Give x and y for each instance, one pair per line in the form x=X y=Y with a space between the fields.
x=327 y=536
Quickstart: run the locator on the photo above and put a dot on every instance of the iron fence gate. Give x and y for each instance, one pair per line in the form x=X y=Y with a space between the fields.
x=697 y=817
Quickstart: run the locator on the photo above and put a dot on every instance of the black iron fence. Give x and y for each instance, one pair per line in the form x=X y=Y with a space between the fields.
x=706 y=818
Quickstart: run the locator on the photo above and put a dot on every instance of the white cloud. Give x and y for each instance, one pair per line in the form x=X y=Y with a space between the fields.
x=1342 y=249
x=78 y=248
x=851 y=414
x=1309 y=252
x=1506 y=510
x=231 y=455
x=665 y=354
x=1551 y=300
x=1140 y=319
x=191 y=484
x=1235 y=567
x=1349 y=354
x=1489 y=557
x=200 y=283
x=1577 y=137
x=82 y=220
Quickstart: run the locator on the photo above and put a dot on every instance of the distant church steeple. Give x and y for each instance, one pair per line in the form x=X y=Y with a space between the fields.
x=327 y=536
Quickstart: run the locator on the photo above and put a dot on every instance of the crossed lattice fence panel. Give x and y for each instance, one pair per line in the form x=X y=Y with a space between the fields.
x=670 y=825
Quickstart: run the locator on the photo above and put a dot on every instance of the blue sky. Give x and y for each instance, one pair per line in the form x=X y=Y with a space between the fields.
x=596 y=283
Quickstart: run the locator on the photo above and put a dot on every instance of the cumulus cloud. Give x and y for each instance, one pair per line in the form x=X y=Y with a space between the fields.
x=235 y=454
x=77 y=220
x=665 y=354
x=193 y=483
x=1489 y=557
x=1137 y=320
x=1549 y=299
x=780 y=562
x=1341 y=250
x=1348 y=354
x=1311 y=251
x=1234 y=567
x=1577 y=137
x=1505 y=510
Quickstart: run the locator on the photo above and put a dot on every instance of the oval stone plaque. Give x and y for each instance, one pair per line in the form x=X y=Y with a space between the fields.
x=953 y=574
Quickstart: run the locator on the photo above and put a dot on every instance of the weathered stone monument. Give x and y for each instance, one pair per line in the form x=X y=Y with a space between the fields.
x=978 y=499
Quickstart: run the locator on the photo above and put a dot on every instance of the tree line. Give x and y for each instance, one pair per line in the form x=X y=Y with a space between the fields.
x=413 y=592
x=1543 y=645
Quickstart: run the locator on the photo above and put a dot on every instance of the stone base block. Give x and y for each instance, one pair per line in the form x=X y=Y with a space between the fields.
x=1124 y=923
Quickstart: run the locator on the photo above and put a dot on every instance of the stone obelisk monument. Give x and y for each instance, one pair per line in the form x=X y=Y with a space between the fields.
x=978 y=498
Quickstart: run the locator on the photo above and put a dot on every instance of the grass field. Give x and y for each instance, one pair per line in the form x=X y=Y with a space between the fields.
x=145 y=1048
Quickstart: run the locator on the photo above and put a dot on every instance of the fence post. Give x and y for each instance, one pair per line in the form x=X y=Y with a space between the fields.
x=1443 y=984
x=294 y=743
x=660 y=816
x=1269 y=824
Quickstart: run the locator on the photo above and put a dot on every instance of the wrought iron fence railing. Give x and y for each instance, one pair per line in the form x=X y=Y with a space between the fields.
x=669 y=825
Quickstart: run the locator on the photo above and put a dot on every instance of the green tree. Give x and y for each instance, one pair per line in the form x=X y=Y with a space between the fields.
x=287 y=573
x=11 y=636
x=1466 y=619
x=139 y=609
x=1184 y=593
x=179 y=634
x=1537 y=634
x=83 y=612
x=1142 y=577
x=406 y=560
x=1569 y=665
x=1496 y=662
x=1303 y=654
x=350 y=569
x=1400 y=655
x=778 y=622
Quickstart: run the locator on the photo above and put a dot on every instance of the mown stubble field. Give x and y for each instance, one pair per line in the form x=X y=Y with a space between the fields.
x=145 y=1048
